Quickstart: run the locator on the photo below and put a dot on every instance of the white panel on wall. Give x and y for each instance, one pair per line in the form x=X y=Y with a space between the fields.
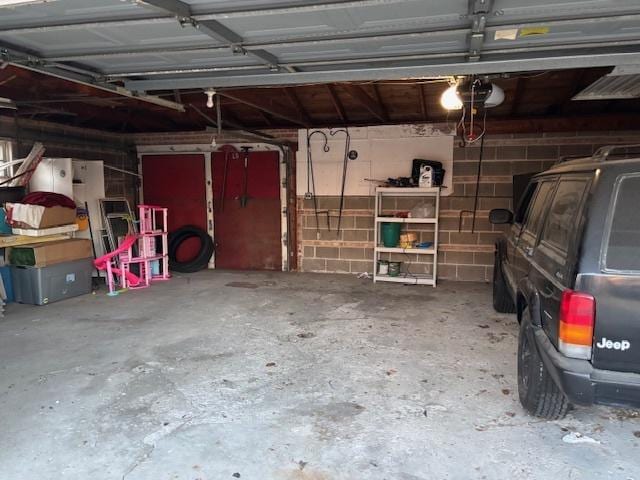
x=53 y=175
x=88 y=187
x=383 y=152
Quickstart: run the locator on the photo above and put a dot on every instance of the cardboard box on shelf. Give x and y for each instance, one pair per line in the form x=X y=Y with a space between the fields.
x=55 y=216
x=50 y=253
x=35 y=216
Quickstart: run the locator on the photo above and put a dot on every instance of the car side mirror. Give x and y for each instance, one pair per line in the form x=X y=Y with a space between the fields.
x=500 y=216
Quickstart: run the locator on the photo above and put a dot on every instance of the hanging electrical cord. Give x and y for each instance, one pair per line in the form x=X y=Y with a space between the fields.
x=471 y=138
x=311 y=183
x=345 y=160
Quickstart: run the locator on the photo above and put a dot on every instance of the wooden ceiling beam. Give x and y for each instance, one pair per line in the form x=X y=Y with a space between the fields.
x=423 y=102
x=337 y=104
x=573 y=123
x=383 y=108
x=521 y=86
x=268 y=119
x=229 y=117
x=267 y=108
x=297 y=104
x=360 y=95
x=575 y=85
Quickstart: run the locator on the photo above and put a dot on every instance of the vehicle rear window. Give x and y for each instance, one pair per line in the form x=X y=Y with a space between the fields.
x=622 y=251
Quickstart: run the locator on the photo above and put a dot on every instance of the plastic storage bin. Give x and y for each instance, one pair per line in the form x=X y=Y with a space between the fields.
x=8 y=284
x=43 y=285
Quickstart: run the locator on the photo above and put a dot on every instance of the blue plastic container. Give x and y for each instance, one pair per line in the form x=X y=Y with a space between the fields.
x=5 y=228
x=5 y=272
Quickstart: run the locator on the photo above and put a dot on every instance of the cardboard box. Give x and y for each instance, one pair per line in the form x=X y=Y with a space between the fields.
x=50 y=253
x=51 y=217
x=45 y=232
x=55 y=216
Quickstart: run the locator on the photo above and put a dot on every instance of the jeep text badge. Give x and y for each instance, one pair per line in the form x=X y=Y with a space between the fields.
x=622 y=345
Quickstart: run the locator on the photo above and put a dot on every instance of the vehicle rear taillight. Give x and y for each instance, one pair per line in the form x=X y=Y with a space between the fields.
x=577 y=316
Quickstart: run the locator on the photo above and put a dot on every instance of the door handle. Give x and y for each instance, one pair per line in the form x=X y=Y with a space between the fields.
x=528 y=251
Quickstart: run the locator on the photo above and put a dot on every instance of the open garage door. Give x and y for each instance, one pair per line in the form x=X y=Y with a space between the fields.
x=177 y=182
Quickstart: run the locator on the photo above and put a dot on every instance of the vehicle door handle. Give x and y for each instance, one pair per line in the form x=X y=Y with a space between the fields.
x=528 y=251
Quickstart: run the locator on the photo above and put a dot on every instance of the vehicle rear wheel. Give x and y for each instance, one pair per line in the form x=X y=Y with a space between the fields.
x=538 y=393
x=502 y=301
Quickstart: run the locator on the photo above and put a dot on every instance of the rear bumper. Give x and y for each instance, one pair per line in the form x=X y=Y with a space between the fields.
x=583 y=384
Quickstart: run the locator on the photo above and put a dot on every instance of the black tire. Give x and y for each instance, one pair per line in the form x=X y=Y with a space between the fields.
x=197 y=263
x=502 y=301
x=538 y=393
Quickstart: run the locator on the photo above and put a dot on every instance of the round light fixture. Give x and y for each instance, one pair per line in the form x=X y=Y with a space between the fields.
x=495 y=98
x=450 y=99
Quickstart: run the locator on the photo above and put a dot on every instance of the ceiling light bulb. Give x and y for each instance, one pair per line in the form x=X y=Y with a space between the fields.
x=210 y=92
x=450 y=99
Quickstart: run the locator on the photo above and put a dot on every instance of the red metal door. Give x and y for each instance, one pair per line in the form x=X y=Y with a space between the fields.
x=177 y=182
x=247 y=238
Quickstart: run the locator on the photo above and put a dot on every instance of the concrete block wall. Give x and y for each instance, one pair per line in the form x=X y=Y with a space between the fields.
x=464 y=255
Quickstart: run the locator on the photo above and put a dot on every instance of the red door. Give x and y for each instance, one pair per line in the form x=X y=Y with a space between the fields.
x=177 y=182
x=247 y=238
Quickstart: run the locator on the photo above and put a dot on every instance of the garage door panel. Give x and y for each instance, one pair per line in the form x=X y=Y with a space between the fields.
x=353 y=19
x=247 y=238
x=177 y=182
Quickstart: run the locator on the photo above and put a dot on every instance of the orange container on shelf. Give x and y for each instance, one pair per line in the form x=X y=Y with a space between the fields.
x=82 y=219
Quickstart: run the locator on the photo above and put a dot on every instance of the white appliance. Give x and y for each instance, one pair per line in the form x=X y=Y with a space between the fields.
x=88 y=186
x=53 y=175
x=81 y=180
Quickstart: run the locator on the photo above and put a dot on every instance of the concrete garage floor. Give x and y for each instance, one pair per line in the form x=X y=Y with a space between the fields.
x=284 y=376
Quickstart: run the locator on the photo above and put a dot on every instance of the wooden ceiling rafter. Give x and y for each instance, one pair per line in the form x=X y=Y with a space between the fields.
x=268 y=119
x=521 y=84
x=536 y=97
x=360 y=95
x=230 y=119
x=276 y=112
x=576 y=84
x=423 y=102
x=337 y=104
x=297 y=104
x=380 y=102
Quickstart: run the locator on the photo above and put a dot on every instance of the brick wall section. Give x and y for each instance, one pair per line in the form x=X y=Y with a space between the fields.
x=463 y=255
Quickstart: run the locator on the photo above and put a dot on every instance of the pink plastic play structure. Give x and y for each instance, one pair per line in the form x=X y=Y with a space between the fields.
x=151 y=257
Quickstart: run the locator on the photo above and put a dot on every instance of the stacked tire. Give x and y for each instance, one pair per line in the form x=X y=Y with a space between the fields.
x=200 y=260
